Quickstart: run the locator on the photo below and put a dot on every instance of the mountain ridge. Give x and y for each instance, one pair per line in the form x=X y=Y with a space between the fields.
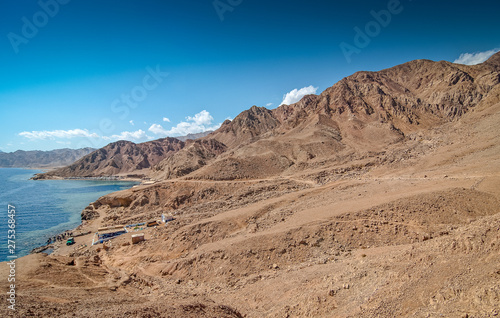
x=361 y=113
x=120 y=157
x=42 y=159
x=364 y=112
x=109 y=161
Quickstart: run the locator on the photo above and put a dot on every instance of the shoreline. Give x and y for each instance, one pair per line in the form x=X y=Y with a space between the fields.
x=38 y=177
x=77 y=231
x=56 y=244
x=56 y=241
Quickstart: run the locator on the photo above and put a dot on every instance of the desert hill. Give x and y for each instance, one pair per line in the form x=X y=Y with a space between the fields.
x=118 y=158
x=376 y=205
x=359 y=116
x=195 y=154
x=42 y=159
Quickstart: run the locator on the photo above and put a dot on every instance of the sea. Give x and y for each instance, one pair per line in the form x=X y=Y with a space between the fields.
x=43 y=208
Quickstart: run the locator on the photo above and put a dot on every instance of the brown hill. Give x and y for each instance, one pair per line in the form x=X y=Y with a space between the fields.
x=193 y=156
x=253 y=122
x=118 y=158
x=358 y=117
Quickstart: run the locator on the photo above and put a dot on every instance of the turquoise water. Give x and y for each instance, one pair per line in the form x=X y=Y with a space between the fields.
x=44 y=208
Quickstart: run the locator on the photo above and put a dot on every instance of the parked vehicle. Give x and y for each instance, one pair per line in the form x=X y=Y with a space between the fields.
x=70 y=241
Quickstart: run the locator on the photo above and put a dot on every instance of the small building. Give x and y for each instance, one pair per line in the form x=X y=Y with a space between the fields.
x=107 y=228
x=136 y=238
x=152 y=223
x=166 y=218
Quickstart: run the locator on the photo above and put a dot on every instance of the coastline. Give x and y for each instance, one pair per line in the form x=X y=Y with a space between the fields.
x=80 y=230
x=43 y=176
x=75 y=230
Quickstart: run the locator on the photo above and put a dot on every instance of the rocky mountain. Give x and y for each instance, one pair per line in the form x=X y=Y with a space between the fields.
x=124 y=157
x=119 y=157
x=246 y=126
x=195 y=154
x=42 y=159
x=359 y=116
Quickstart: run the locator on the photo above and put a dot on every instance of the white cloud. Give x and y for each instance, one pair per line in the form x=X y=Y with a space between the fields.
x=64 y=134
x=132 y=122
x=269 y=104
x=158 y=130
x=166 y=119
x=139 y=135
x=297 y=94
x=198 y=123
x=475 y=58
x=202 y=118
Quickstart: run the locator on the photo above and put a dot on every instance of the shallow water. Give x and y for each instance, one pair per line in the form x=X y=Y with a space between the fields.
x=44 y=208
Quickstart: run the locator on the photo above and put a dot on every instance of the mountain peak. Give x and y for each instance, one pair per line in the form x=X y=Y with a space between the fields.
x=494 y=59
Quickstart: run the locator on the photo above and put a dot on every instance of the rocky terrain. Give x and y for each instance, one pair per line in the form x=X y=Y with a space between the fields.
x=359 y=117
x=42 y=159
x=117 y=158
x=377 y=198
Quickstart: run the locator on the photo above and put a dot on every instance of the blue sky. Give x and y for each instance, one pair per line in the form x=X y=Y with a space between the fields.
x=78 y=73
